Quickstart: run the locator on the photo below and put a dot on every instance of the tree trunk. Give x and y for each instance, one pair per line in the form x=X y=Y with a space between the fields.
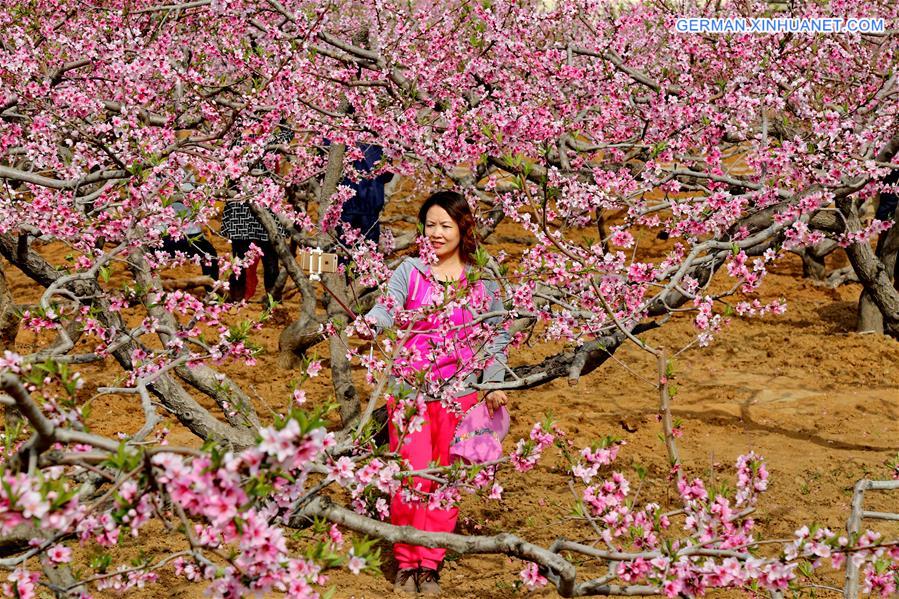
x=341 y=371
x=302 y=333
x=344 y=389
x=872 y=272
x=9 y=319
x=813 y=259
x=870 y=318
x=296 y=339
x=812 y=266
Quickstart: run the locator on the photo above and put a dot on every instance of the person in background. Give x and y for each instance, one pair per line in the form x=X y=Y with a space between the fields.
x=194 y=242
x=450 y=228
x=241 y=226
x=886 y=209
x=363 y=210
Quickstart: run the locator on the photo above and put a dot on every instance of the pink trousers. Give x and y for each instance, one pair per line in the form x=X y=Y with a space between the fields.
x=430 y=444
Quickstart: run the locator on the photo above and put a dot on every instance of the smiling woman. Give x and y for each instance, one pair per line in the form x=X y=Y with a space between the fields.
x=442 y=232
x=438 y=356
x=450 y=228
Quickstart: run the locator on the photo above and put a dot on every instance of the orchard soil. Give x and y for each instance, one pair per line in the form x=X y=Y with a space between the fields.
x=819 y=401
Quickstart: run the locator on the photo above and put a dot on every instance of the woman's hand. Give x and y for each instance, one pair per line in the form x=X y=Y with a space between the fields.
x=494 y=399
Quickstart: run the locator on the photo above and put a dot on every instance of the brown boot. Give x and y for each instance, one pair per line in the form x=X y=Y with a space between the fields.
x=405 y=581
x=428 y=582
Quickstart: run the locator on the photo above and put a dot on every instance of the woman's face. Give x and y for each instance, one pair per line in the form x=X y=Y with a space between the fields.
x=442 y=231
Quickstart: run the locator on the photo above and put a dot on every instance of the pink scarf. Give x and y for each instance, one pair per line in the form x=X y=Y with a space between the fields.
x=448 y=353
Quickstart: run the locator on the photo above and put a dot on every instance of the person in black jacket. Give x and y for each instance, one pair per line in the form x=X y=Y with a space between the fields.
x=888 y=199
x=193 y=242
x=363 y=210
x=241 y=226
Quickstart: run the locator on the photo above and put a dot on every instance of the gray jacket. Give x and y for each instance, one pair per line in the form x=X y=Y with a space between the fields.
x=398 y=288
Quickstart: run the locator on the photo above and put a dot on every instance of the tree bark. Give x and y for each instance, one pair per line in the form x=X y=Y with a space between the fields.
x=813 y=266
x=18 y=539
x=870 y=318
x=872 y=272
x=302 y=333
x=876 y=270
x=297 y=338
x=9 y=319
x=813 y=259
x=341 y=370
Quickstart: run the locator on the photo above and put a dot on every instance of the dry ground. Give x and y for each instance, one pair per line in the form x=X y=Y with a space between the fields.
x=817 y=400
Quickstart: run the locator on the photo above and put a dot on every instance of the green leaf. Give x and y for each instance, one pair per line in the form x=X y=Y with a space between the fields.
x=481 y=258
x=658 y=148
x=101 y=562
x=125 y=459
x=805 y=568
x=641 y=471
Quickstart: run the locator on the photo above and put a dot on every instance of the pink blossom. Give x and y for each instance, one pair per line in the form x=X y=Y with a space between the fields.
x=335 y=535
x=531 y=576
x=25 y=583
x=314 y=367
x=496 y=491
x=59 y=554
x=355 y=563
x=341 y=471
x=425 y=250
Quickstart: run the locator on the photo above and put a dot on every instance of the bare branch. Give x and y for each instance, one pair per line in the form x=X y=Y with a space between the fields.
x=27 y=177
x=170 y=7
x=45 y=432
x=638 y=76
x=503 y=543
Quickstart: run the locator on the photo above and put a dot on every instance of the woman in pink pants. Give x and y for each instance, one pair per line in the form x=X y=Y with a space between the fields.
x=450 y=228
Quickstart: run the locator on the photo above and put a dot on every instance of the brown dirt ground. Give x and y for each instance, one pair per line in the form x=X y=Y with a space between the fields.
x=817 y=400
